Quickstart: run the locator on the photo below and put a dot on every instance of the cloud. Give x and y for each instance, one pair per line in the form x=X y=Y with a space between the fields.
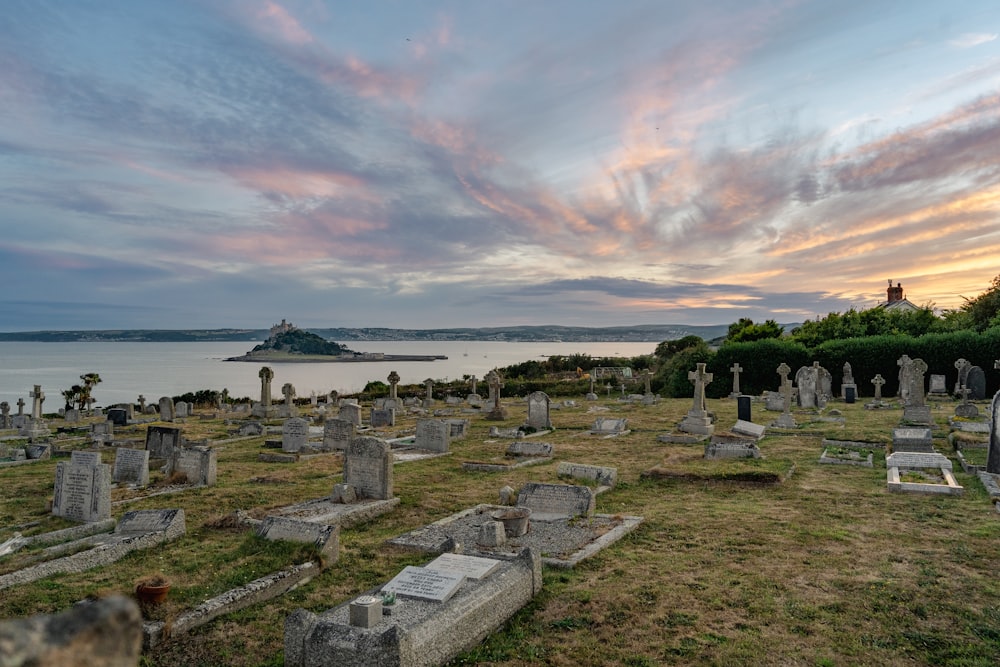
x=969 y=40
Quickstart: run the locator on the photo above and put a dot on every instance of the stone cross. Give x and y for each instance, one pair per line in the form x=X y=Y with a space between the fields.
x=878 y=381
x=622 y=388
x=786 y=387
x=960 y=366
x=736 y=369
x=142 y=404
x=919 y=367
x=332 y=398
x=647 y=376
x=608 y=387
x=20 y=407
x=288 y=391
x=701 y=379
x=965 y=391
x=38 y=396
x=265 y=375
x=495 y=383
x=393 y=381
x=474 y=382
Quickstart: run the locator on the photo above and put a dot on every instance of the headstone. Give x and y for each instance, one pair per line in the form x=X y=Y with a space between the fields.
x=731 y=449
x=82 y=488
x=743 y=408
x=142 y=404
x=37 y=398
x=382 y=417
x=774 y=401
x=850 y=394
x=5 y=415
x=162 y=440
x=697 y=419
x=911 y=378
x=609 y=426
x=288 y=409
x=433 y=434
x=326 y=538
x=20 y=407
x=785 y=420
x=72 y=416
x=131 y=467
x=251 y=428
x=755 y=431
x=912 y=440
x=294 y=434
x=938 y=386
x=424 y=584
x=166 y=409
x=473 y=567
x=549 y=501
x=848 y=382
x=198 y=464
x=337 y=434
x=393 y=382
x=975 y=380
x=529 y=448
x=181 y=410
x=603 y=475
x=496 y=411
x=429 y=397
x=117 y=416
x=368 y=467
x=736 y=369
x=538 y=411
x=351 y=412
x=962 y=366
x=458 y=428
x=993 y=454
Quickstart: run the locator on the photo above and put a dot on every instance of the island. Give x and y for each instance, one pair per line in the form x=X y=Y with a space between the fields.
x=288 y=343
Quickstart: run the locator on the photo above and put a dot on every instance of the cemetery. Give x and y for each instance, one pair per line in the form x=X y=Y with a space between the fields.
x=813 y=523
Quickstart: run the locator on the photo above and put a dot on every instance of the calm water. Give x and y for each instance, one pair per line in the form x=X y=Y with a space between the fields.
x=169 y=369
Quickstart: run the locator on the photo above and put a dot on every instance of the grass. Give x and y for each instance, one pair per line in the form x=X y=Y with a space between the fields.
x=824 y=568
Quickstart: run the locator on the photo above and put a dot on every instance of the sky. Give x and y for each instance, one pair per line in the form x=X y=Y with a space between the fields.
x=207 y=164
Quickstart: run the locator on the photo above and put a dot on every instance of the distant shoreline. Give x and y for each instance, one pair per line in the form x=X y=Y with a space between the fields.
x=325 y=359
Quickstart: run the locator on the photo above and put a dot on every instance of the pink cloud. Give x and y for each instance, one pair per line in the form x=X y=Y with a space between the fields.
x=274 y=19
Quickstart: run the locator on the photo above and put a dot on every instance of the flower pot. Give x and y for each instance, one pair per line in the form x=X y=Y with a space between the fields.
x=149 y=594
x=516 y=520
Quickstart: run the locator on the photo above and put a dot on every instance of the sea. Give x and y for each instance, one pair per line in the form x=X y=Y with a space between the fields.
x=171 y=369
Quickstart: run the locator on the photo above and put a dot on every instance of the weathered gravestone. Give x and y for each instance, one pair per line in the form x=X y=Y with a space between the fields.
x=538 y=411
x=117 y=416
x=382 y=417
x=993 y=454
x=938 y=386
x=911 y=389
x=251 y=429
x=976 y=382
x=556 y=501
x=131 y=466
x=697 y=420
x=182 y=409
x=603 y=475
x=162 y=440
x=458 y=428
x=337 y=434
x=197 y=464
x=912 y=440
x=166 y=409
x=850 y=394
x=72 y=416
x=433 y=434
x=350 y=412
x=294 y=434
x=529 y=448
x=743 y=408
x=609 y=426
x=82 y=488
x=368 y=468
x=848 y=382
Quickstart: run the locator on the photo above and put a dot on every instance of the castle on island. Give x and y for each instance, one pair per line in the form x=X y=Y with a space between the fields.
x=284 y=327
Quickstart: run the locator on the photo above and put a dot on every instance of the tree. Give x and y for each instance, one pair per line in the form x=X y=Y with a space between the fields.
x=745 y=331
x=669 y=348
x=984 y=310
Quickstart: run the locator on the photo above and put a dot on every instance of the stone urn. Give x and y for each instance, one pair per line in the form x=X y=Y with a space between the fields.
x=516 y=520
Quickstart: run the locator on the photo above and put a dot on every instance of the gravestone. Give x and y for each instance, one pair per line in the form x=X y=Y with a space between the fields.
x=848 y=382
x=37 y=398
x=82 y=488
x=603 y=475
x=288 y=409
x=496 y=411
x=166 y=409
x=102 y=432
x=337 y=434
x=197 y=464
x=131 y=467
x=731 y=449
x=424 y=584
x=912 y=440
x=743 y=408
x=697 y=420
x=264 y=409
x=251 y=429
x=815 y=385
x=529 y=448
x=962 y=366
x=938 y=386
x=181 y=410
x=975 y=380
x=350 y=412
x=433 y=434
x=382 y=417
x=473 y=567
x=553 y=501
x=429 y=397
x=735 y=369
x=911 y=383
x=117 y=416
x=162 y=440
x=458 y=428
x=368 y=468
x=774 y=401
x=538 y=411
x=5 y=415
x=609 y=426
x=993 y=454
x=294 y=434
x=850 y=394
x=785 y=420
x=72 y=416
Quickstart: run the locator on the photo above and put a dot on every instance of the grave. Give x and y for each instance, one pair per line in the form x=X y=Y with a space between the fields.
x=697 y=420
x=993 y=455
x=264 y=409
x=117 y=416
x=932 y=473
x=131 y=467
x=82 y=488
x=325 y=538
x=337 y=434
x=538 y=411
x=519 y=454
x=294 y=434
x=938 y=386
x=785 y=420
x=350 y=412
x=433 y=435
x=139 y=529
x=743 y=408
x=166 y=409
x=847 y=456
x=162 y=440
x=288 y=409
x=366 y=490
x=911 y=390
x=197 y=464
x=732 y=446
x=746 y=428
x=382 y=417
x=876 y=402
x=496 y=411
x=182 y=410
x=975 y=381
x=458 y=428
x=549 y=502
x=444 y=613
x=847 y=382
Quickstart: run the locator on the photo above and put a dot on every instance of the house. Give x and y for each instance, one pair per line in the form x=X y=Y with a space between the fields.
x=896 y=300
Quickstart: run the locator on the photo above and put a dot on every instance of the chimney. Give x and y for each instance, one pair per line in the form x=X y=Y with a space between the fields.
x=894 y=293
